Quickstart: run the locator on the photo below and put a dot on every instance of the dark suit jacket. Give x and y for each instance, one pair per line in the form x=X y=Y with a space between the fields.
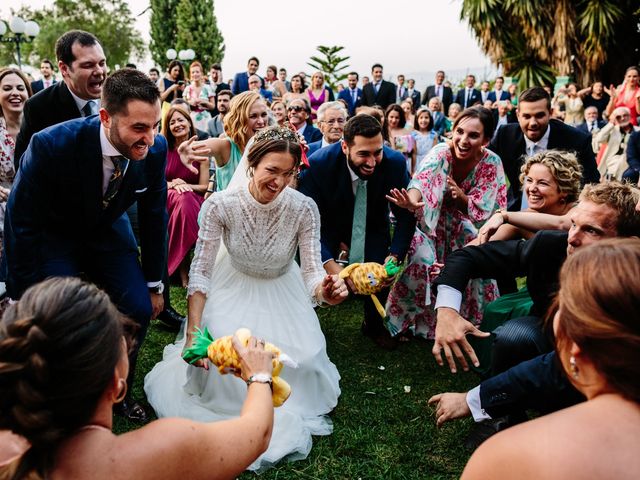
x=447 y=96
x=415 y=97
x=504 y=95
x=539 y=259
x=328 y=182
x=346 y=96
x=633 y=151
x=476 y=97
x=55 y=205
x=241 y=83
x=538 y=384
x=48 y=107
x=386 y=94
x=584 y=127
x=311 y=134
x=39 y=85
x=314 y=147
x=439 y=122
x=510 y=146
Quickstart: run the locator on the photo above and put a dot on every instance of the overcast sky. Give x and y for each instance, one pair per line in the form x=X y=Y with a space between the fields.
x=421 y=36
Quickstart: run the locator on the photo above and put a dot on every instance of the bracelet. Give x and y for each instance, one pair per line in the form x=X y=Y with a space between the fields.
x=209 y=190
x=260 y=378
x=503 y=214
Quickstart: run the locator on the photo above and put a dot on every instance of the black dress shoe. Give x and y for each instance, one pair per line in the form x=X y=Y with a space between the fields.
x=482 y=431
x=131 y=410
x=170 y=318
x=380 y=338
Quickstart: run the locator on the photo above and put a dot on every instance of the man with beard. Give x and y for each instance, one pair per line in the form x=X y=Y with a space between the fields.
x=66 y=212
x=215 y=126
x=348 y=181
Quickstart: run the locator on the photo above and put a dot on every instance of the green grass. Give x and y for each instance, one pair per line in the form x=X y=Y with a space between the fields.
x=379 y=430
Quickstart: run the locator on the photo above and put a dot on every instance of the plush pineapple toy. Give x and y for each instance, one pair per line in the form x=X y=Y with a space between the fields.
x=368 y=279
x=222 y=354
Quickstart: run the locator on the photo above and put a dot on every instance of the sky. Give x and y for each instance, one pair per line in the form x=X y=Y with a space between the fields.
x=417 y=39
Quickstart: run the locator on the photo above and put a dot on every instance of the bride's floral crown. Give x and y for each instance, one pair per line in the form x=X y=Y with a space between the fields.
x=276 y=133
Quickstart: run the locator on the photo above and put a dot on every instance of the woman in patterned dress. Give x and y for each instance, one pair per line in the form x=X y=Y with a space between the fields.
x=456 y=189
x=200 y=96
x=14 y=92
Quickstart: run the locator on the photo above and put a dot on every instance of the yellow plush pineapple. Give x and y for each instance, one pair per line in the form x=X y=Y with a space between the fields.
x=369 y=278
x=222 y=354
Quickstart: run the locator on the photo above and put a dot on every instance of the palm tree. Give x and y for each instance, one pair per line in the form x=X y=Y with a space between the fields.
x=537 y=39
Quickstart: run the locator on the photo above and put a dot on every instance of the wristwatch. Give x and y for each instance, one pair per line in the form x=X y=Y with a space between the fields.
x=158 y=289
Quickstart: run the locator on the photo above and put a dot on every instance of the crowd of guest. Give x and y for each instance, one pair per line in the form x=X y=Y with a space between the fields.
x=469 y=188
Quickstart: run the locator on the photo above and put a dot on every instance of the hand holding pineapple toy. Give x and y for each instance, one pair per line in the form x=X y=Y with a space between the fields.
x=223 y=354
x=369 y=278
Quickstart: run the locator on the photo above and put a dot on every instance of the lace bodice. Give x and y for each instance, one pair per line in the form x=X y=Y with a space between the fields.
x=261 y=239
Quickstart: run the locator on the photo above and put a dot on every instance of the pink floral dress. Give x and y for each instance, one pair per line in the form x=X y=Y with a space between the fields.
x=442 y=229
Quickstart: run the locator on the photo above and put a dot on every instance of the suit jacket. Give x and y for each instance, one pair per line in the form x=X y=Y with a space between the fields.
x=403 y=93
x=584 y=127
x=539 y=259
x=39 y=85
x=504 y=95
x=215 y=128
x=476 y=97
x=311 y=134
x=538 y=384
x=415 y=97
x=633 y=151
x=386 y=94
x=241 y=83
x=439 y=122
x=314 y=147
x=510 y=146
x=48 y=107
x=55 y=205
x=328 y=182
x=447 y=96
x=345 y=95
x=267 y=95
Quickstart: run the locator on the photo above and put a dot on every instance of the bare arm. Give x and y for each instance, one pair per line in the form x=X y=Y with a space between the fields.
x=531 y=221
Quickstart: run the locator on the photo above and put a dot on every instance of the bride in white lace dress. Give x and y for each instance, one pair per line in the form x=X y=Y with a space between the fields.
x=256 y=283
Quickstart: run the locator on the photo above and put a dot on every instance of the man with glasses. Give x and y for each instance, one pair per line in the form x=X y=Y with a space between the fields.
x=331 y=119
x=299 y=115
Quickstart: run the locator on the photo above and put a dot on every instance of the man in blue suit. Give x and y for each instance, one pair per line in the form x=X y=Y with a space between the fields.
x=591 y=124
x=46 y=69
x=349 y=180
x=498 y=94
x=352 y=96
x=241 y=79
x=299 y=115
x=66 y=212
x=468 y=96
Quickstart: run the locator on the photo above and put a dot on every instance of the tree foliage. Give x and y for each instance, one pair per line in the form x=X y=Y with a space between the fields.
x=331 y=64
x=537 y=39
x=164 y=29
x=110 y=21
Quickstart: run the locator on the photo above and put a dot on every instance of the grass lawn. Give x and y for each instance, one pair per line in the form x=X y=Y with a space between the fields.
x=380 y=432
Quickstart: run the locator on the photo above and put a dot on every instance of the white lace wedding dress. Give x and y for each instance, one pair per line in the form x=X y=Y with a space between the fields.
x=256 y=283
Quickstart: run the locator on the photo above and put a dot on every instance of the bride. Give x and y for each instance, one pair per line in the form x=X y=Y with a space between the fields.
x=253 y=281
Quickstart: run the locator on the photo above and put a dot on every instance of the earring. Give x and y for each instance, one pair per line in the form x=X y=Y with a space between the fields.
x=122 y=390
x=573 y=367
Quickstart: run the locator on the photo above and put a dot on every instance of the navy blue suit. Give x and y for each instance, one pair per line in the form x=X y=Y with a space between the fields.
x=345 y=95
x=241 y=83
x=584 y=127
x=633 y=158
x=328 y=182
x=311 y=134
x=314 y=147
x=55 y=224
x=439 y=122
x=504 y=95
x=475 y=98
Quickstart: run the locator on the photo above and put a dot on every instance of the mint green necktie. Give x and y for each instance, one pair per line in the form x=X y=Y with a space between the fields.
x=359 y=227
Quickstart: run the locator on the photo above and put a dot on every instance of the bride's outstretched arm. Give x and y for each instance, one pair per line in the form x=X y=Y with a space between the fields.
x=309 y=242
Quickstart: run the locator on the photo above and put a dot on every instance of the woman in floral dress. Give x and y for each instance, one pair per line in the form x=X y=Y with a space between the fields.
x=200 y=96
x=456 y=189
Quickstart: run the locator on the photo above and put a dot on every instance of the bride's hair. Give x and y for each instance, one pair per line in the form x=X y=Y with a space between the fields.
x=59 y=346
x=274 y=139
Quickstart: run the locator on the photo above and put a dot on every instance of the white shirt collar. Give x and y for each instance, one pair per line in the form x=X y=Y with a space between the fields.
x=108 y=150
x=352 y=174
x=540 y=144
x=80 y=103
x=301 y=129
x=325 y=143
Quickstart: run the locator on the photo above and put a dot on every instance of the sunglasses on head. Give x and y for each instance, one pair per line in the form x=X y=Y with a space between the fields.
x=295 y=108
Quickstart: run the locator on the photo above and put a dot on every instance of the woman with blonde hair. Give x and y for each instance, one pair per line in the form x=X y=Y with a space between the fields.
x=247 y=114
x=597 y=333
x=317 y=93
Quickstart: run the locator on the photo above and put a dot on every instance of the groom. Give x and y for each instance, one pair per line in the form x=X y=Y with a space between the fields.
x=66 y=212
x=348 y=181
